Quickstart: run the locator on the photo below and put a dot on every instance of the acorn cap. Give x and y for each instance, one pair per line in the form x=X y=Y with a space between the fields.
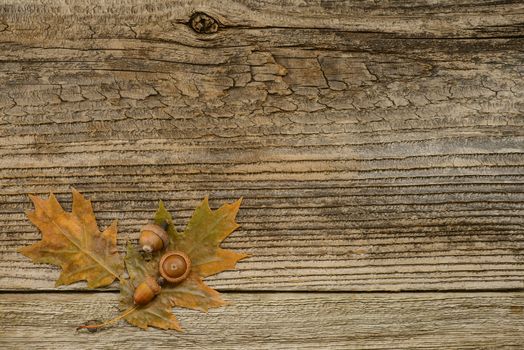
x=159 y=231
x=153 y=284
x=174 y=266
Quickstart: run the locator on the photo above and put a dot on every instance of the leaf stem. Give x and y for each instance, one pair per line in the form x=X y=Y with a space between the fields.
x=111 y=321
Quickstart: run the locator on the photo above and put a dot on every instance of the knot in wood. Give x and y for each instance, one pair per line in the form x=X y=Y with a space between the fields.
x=203 y=23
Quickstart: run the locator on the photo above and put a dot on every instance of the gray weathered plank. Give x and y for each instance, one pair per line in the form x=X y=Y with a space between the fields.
x=277 y=321
x=378 y=147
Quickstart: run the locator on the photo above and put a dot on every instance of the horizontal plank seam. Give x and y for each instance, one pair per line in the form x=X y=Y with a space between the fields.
x=257 y=291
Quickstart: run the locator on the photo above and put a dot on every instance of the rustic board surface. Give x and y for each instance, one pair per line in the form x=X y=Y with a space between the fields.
x=278 y=321
x=378 y=146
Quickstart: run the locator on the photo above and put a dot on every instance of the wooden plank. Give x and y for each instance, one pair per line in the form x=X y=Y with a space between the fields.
x=278 y=320
x=377 y=147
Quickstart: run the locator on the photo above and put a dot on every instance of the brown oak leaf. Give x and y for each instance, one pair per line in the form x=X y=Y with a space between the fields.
x=200 y=241
x=73 y=242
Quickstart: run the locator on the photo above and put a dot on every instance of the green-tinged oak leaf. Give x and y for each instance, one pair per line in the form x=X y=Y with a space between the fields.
x=162 y=215
x=200 y=241
x=192 y=293
x=156 y=313
x=72 y=241
x=203 y=235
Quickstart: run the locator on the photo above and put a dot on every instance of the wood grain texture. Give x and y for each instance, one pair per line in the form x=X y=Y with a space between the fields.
x=278 y=321
x=377 y=146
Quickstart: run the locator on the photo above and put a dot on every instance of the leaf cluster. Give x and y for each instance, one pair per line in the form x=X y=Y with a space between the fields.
x=73 y=241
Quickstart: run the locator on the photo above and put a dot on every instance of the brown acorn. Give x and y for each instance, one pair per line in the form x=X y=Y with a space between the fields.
x=175 y=266
x=153 y=237
x=146 y=291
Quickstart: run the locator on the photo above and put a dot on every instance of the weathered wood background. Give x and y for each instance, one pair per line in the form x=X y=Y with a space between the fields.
x=378 y=145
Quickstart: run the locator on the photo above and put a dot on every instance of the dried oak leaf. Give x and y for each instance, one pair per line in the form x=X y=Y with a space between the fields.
x=200 y=241
x=73 y=242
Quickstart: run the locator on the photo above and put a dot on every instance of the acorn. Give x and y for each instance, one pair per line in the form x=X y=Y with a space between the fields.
x=174 y=266
x=146 y=291
x=153 y=237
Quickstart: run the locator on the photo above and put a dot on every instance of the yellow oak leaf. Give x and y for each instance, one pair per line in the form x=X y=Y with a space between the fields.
x=72 y=241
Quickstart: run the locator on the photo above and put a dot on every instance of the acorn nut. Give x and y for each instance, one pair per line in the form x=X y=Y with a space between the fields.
x=146 y=291
x=153 y=237
x=175 y=266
